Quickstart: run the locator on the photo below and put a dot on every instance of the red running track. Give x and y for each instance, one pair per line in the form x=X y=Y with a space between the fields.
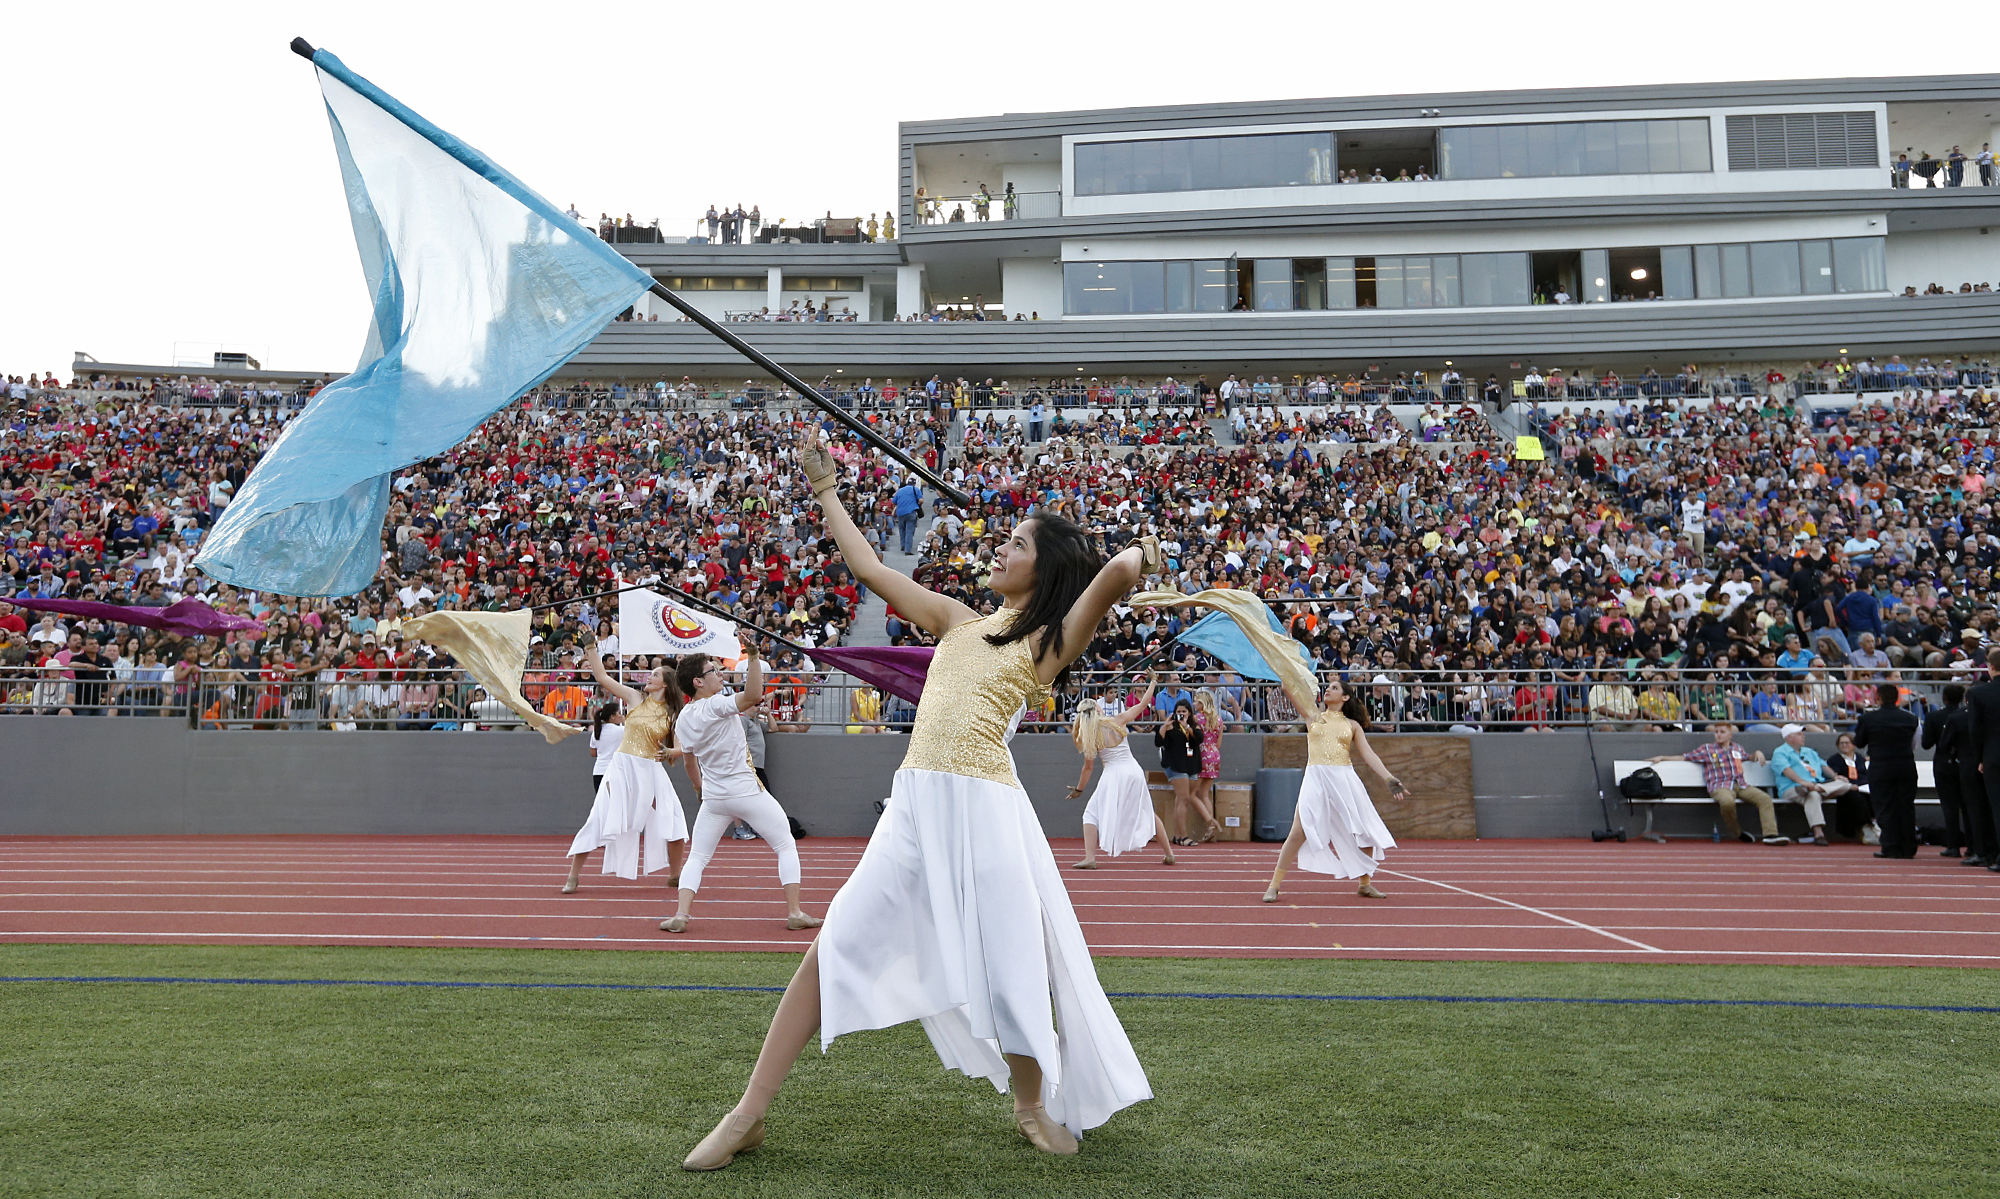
x=1448 y=900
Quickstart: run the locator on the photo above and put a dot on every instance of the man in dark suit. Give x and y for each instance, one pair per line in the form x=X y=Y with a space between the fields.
x=1982 y=747
x=1889 y=734
x=1944 y=732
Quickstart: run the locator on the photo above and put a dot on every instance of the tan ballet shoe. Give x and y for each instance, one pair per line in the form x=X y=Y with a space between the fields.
x=736 y=1134
x=677 y=924
x=569 y=885
x=1083 y=865
x=802 y=921
x=1368 y=891
x=1271 y=893
x=1168 y=860
x=1045 y=1134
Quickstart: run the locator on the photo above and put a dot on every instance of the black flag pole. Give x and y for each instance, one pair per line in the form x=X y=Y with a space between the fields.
x=860 y=428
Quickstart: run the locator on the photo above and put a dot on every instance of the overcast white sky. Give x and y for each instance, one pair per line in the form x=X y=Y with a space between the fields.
x=170 y=178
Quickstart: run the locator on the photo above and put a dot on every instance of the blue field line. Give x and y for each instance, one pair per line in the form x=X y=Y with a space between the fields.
x=1303 y=997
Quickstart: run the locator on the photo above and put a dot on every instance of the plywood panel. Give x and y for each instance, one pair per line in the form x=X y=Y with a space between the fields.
x=1436 y=769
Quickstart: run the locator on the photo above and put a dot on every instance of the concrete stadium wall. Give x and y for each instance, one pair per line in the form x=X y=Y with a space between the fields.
x=70 y=776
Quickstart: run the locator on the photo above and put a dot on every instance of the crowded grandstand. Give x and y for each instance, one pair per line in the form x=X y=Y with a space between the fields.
x=1661 y=552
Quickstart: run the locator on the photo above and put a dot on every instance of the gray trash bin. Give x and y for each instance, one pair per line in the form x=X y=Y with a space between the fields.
x=1272 y=806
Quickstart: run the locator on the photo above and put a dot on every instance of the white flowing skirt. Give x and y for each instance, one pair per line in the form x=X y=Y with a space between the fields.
x=1345 y=836
x=1122 y=805
x=636 y=806
x=957 y=916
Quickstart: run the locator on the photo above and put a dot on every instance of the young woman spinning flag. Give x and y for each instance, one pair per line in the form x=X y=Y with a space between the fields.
x=636 y=805
x=1335 y=829
x=956 y=914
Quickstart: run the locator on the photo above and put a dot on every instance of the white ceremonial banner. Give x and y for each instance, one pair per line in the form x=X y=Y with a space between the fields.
x=651 y=623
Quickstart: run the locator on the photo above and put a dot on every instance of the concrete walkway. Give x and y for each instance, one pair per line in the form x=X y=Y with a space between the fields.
x=868 y=622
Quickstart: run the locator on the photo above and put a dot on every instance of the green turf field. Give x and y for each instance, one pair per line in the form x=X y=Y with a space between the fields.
x=169 y=1090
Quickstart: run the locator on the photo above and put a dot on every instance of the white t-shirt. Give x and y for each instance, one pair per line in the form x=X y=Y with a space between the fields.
x=709 y=729
x=605 y=744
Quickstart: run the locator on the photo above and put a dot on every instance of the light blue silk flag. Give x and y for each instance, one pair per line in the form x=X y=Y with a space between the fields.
x=1218 y=634
x=481 y=289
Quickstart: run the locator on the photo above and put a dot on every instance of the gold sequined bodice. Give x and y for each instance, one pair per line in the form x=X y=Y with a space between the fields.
x=646 y=729
x=969 y=700
x=1328 y=741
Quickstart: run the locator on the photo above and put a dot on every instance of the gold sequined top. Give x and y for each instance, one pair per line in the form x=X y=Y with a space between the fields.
x=646 y=729
x=969 y=700
x=1329 y=741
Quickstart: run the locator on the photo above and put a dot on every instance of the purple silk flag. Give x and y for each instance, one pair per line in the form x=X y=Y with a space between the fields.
x=188 y=617
x=898 y=669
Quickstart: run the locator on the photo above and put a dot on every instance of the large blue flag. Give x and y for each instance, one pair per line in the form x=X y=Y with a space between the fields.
x=481 y=290
x=1221 y=636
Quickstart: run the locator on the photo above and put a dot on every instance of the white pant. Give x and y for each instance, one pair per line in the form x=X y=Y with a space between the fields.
x=761 y=813
x=1815 y=812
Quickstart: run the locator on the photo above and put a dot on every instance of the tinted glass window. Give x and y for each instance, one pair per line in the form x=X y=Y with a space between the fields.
x=1202 y=163
x=1573 y=148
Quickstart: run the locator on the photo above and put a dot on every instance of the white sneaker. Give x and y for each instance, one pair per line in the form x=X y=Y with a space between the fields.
x=1774 y=839
x=1870 y=835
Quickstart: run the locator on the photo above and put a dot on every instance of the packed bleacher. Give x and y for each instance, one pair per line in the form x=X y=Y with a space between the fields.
x=105 y=495
x=1666 y=562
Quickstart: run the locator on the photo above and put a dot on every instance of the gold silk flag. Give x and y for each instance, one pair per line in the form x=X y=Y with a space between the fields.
x=493 y=648
x=1279 y=652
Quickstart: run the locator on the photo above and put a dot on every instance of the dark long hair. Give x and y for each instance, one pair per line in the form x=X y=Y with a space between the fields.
x=1351 y=706
x=604 y=712
x=1065 y=563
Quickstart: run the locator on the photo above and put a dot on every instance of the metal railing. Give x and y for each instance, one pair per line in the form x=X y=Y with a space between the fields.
x=1496 y=700
x=1000 y=206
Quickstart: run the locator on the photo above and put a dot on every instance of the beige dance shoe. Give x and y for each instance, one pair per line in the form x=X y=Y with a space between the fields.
x=1091 y=865
x=1046 y=1135
x=1271 y=893
x=802 y=921
x=1368 y=891
x=736 y=1134
x=675 y=924
x=569 y=886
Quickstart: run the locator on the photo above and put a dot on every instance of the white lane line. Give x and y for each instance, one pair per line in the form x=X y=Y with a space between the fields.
x=1524 y=907
x=604 y=894
x=703 y=918
x=664 y=940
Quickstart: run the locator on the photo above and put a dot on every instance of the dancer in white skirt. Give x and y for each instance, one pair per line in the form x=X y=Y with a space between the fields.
x=636 y=807
x=956 y=914
x=710 y=729
x=1119 y=817
x=1335 y=829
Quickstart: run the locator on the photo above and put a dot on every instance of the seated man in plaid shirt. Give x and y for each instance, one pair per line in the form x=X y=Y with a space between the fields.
x=1722 y=774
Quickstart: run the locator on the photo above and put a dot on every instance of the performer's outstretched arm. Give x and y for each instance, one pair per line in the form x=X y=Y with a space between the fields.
x=1138 y=708
x=1366 y=753
x=1118 y=576
x=631 y=696
x=931 y=612
x=753 y=678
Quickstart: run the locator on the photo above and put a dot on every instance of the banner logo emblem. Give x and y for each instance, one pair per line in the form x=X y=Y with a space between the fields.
x=669 y=621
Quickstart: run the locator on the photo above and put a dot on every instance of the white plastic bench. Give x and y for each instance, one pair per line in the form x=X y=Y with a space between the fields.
x=1682 y=781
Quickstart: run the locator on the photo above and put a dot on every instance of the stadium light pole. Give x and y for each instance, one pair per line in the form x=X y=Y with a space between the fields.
x=304 y=49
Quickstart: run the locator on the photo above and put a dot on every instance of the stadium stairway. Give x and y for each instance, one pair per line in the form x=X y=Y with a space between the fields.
x=868 y=623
